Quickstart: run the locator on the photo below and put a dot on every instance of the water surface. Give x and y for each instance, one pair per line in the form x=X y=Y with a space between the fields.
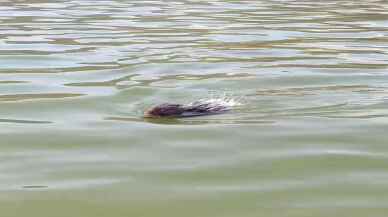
x=309 y=140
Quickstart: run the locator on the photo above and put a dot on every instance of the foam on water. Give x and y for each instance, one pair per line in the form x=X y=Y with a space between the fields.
x=226 y=99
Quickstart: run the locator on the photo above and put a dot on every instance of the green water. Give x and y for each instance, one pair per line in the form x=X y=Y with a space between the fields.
x=309 y=140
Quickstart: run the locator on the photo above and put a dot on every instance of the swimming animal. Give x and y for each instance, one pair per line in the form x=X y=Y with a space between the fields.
x=197 y=108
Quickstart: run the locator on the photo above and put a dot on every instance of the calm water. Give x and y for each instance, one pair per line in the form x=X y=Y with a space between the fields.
x=309 y=140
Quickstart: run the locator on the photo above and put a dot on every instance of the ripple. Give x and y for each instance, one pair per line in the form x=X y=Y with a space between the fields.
x=75 y=77
x=23 y=97
x=23 y=121
x=71 y=184
x=316 y=90
x=190 y=121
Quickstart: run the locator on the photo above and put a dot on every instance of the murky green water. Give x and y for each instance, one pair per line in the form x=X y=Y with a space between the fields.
x=309 y=140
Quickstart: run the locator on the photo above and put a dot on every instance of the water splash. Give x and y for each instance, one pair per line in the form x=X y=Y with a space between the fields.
x=225 y=101
x=228 y=100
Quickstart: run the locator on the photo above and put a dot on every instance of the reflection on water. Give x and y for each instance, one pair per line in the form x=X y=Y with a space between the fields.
x=76 y=76
x=18 y=97
x=24 y=121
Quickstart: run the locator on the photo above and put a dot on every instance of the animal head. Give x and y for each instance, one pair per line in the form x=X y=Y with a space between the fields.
x=164 y=110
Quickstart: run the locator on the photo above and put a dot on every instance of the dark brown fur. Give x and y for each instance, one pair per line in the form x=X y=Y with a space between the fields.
x=179 y=110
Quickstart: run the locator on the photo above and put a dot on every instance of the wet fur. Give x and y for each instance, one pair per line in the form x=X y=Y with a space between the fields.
x=189 y=110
